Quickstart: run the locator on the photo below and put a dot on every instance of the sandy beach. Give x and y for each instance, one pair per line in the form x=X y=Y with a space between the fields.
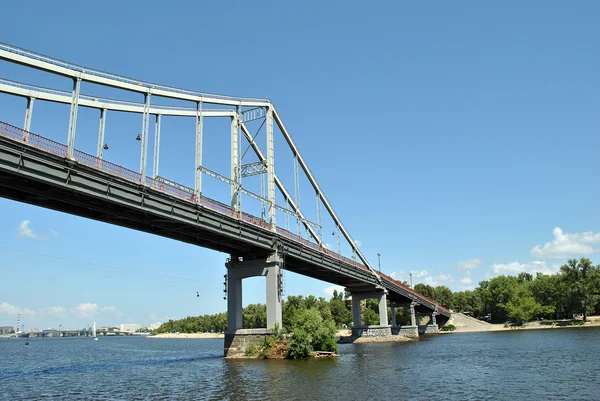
x=593 y=321
x=188 y=335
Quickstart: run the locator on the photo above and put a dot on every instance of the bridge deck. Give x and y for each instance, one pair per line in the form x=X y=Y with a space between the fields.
x=35 y=170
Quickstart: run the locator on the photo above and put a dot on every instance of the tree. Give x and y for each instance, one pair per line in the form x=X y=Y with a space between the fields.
x=522 y=307
x=443 y=296
x=340 y=313
x=424 y=289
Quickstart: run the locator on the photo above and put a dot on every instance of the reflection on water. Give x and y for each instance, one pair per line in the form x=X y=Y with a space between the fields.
x=556 y=364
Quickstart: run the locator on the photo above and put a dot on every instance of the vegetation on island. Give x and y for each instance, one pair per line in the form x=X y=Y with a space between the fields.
x=310 y=323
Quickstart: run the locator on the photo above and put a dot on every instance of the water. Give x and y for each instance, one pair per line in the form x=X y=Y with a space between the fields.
x=536 y=365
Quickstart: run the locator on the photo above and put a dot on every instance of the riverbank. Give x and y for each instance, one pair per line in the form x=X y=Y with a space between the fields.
x=339 y=333
x=188 y=335
x=593 y=321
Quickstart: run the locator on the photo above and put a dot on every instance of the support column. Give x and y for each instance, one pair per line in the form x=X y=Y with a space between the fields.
x=234 y=301
x=73 y=117
x=393 y=313
x=271 y=168
x=237 y=271
x=235 y=161
x=433 y=320
x=101 y=126
x=199 y=126
x=28 y=115
x=157 y=146
x=413 y=317
x=356 y=315
x=144 y=150
x=383 y=320
x=273 y=297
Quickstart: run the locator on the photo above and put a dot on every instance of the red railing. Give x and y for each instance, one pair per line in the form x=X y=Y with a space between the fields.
x=56 y=148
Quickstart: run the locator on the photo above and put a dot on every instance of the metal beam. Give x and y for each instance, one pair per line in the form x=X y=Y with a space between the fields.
x=144 y=149
x=316 y=187
x=235 y=161
x=73 y=117
x=198 y=162
x=156 y=145
x=281 y=187
x=94 y=102
x=271 y=169
x=101 y=126
x=41 y=62
x=28 y=114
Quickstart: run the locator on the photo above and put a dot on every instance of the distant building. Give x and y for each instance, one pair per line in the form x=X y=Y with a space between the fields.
x=130 y=327
x=155 y=325
x=6 y=329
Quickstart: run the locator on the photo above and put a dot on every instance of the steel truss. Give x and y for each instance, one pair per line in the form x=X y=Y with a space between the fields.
x=240 y=110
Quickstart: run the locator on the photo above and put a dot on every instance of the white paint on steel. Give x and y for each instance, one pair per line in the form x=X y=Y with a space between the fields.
x=156 y=145
x=235 y=162
x=73 y=117
x=316 y=187
x=101 y=126
x=144 y=135
x=28 y=114
x=53 y=95
x=271 y=168
x=284 y=192
x=49 y=64
x=198 y=162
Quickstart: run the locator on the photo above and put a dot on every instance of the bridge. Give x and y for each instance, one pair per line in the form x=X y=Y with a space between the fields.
x=55 y=174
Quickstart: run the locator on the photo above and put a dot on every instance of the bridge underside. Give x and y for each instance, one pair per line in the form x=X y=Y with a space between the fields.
x=40 y=178
x=35 y=177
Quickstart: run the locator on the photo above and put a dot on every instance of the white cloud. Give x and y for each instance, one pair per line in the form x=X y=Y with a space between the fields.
x=514 y=268
x=26 y=233
x=419 y=273
x=468 y=264
x=7 y=309
x=566 y=245
x=467 y=279
x=90 y=310
x=438 y=280
x=54 y=233
x=329 y=290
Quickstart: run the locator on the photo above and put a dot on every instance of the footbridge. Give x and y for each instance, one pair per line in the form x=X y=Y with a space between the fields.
x=55 y=174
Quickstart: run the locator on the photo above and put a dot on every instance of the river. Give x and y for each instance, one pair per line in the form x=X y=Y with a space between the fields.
x=558 y=364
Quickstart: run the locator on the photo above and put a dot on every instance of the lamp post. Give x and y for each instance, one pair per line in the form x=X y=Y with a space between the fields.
x=379 y=261
x=411 y=281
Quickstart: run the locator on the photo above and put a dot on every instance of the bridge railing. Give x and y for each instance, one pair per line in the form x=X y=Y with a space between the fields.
x=178 y=191
x=407 y=288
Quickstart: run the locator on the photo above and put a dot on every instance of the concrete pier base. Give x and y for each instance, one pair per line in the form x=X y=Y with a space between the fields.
x=429 y=329
x=406 y=331
x=236 y=341
x=371 y=331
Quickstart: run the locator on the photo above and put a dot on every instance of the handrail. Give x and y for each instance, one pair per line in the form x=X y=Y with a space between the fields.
x=173 y=189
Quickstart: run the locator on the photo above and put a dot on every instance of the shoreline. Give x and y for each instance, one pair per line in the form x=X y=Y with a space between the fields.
x=531 y=326
x=339 y=333
x=187 y=335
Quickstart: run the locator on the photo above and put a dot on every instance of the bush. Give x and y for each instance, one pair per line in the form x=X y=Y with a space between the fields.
x=300 y=345
x=576 y=323
x=448 y=327
x=311 y=333
x=251 y=350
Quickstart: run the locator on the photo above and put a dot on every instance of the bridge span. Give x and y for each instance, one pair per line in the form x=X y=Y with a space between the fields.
x=43 y=172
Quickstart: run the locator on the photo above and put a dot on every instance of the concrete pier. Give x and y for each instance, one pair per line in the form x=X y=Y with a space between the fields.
x=236 y=337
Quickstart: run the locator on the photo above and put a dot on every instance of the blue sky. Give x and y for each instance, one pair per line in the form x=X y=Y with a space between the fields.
x=457 y=140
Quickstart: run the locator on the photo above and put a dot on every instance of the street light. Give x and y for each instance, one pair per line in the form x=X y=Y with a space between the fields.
x=411 y=280
x=379 y=261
